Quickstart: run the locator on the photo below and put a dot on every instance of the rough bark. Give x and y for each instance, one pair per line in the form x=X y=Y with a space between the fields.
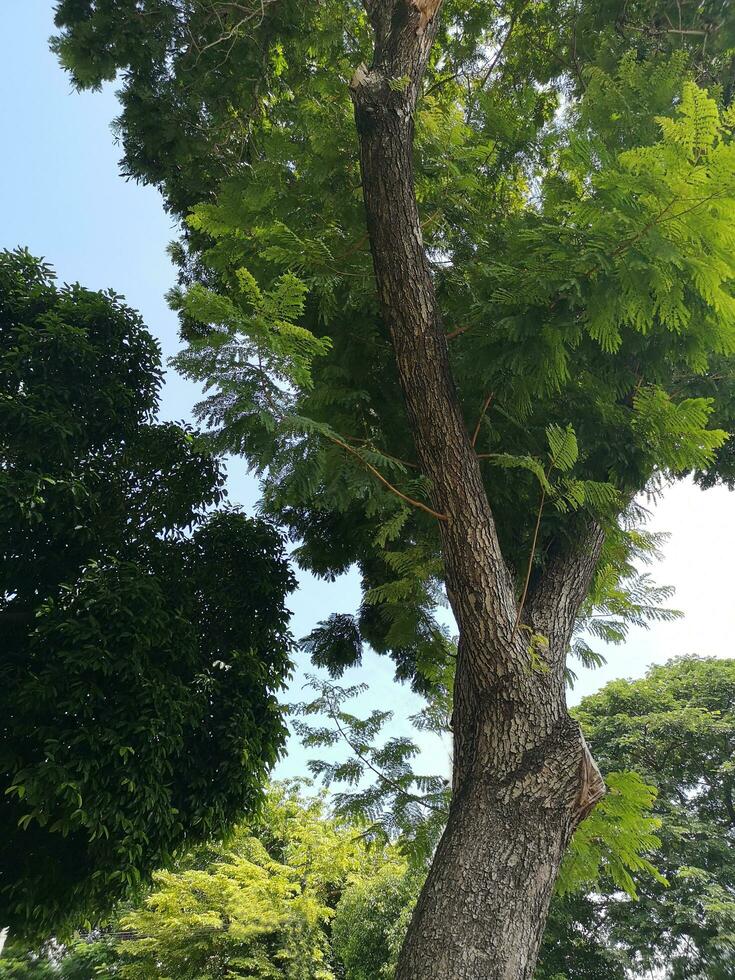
x=523 y=777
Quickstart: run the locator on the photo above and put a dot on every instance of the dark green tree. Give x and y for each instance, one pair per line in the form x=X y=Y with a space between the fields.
x=676 y=727
x=458 y=277
x=144 y=633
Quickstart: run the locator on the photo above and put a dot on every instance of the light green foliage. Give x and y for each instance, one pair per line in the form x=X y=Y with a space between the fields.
x=677 y=432
x=243 y=915
x=565 y=492
x=614 y=837
x=371 y=921
x=257 y=345
x=258 y=905
x=667 y=206
x=382 y=788
x=621 y=595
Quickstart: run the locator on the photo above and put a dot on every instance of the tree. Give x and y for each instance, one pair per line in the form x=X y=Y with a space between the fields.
x=613 y=912
x=145 y=635
x=675 y=727
x=300 y=892
x=458 y=279
x=258 y=904
x=371 y=920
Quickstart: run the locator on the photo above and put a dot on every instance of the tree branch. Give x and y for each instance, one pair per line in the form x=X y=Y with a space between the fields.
x=554 y=603
x=458 y=332
x=396 y=787
x=486 y=404
x=386 y=483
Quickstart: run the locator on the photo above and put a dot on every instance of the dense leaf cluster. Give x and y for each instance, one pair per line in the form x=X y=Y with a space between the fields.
x=301 y=894
x=144 y=635
x=675 y=727
x=271 y=901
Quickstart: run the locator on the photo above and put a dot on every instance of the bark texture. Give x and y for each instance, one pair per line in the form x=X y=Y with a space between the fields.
x=523 y=777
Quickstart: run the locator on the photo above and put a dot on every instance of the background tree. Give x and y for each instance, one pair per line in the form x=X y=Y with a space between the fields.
x=677 y=728
x=22 y=964
x=145 y=635
x=613 y=916
x=512 y=231
x=371 y=920
x=259 y=904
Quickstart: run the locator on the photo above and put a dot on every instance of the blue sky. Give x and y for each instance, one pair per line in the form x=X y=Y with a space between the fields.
x=62 y=196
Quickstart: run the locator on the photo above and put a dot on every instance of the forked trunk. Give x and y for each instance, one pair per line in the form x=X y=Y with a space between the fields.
x=483 y=909
x=523 y=777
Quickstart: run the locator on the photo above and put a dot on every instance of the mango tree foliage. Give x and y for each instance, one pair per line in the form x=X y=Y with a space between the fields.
x=145 y=634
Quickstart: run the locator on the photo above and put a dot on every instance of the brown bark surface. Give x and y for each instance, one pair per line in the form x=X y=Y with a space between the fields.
x=523 y=777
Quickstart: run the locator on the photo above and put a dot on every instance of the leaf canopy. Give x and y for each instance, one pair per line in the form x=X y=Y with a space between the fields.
x=145 y=634
x=675 y=728
x=575 y=172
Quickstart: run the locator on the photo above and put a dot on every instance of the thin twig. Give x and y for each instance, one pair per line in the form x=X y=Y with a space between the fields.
x=379 y=475
x=485 y=406
x=458 y=332
x=533 y=547
x=530 y=561
x=386 y=779
x=499 y=52
x=442 y=81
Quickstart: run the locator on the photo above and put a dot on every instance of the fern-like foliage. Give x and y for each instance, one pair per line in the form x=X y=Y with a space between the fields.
x=615 y=838
x=594 y=342
x=376 y=785
x=622 y=596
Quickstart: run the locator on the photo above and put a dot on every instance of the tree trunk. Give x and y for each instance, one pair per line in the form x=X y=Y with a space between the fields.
x=483 y=910
x=522 y=784
x=523 y=777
